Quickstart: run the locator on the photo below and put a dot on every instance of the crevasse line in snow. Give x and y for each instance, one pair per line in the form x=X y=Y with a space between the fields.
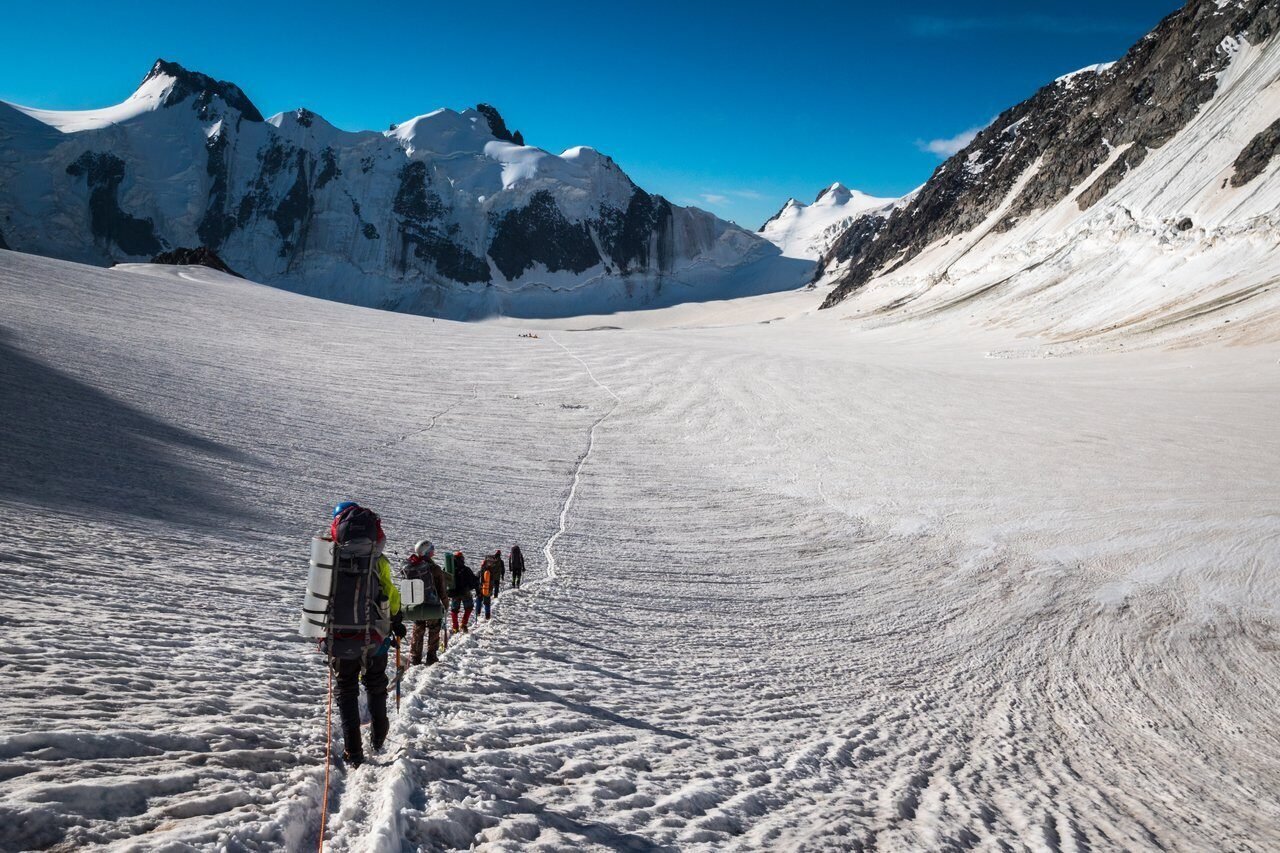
x=582 y=460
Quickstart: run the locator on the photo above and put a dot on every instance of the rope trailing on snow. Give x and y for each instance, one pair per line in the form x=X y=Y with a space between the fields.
x=328 y=748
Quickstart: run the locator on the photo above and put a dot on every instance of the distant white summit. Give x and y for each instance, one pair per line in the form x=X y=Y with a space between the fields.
x=806 y=230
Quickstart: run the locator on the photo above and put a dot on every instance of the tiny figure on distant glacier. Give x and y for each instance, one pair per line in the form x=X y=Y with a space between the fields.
x=517 y=566
x=427 y=617
x=364 y=610
x=465 y=584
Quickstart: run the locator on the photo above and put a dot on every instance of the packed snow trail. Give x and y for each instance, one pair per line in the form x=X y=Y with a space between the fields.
x=577 y=471
x=818 y=592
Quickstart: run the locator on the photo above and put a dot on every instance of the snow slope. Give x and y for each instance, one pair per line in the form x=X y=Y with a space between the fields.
x=447 y=214
x=806 y=230
x=810 y=592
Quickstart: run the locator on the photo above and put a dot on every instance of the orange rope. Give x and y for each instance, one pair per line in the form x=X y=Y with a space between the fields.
x=328 y=745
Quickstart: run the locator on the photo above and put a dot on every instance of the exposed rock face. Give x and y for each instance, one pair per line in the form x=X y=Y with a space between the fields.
x=857 y=239
x=497 y=126
x=1256 y=155
x=445 y=213
x=1060 y=136
x=103 y=174
x=627 y=235
x=540 y=233
x=202 y=256
x=424 y=231
x=3 y=244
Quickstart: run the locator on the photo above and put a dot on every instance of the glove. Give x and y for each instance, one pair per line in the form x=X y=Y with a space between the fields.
x=397 y=626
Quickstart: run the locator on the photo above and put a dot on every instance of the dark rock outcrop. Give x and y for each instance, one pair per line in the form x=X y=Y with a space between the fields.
x=422 y=231
x=218 y=223
x=497 y=126
x=328 y=168
x=103 y=174
x=202 y=256
x=1256 y=155
x=3 y=244
x=857 y=238
x=540 y=233
x=1072 y=126
x=627 y=236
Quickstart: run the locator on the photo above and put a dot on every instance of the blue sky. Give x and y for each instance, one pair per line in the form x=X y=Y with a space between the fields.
x=730 y=106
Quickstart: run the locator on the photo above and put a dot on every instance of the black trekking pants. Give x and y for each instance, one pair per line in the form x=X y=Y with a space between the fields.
x=515 y=579
x=346 y=690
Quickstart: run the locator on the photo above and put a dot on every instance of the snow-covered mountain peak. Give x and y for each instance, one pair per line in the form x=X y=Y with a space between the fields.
x=176 y=84
x=167 y=84
x=444 y=131
x=835 y=194
x=806 y=230
x=301 y=117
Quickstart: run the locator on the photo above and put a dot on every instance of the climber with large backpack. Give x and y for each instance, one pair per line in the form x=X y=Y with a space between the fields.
x=517 y=566
x=487 y=587
x=465 y=584
x=427 y=617
x=364 y=615
x=499 y=573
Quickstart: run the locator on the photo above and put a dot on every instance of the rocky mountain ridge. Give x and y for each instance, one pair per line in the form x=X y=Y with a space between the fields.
x=1076 y=139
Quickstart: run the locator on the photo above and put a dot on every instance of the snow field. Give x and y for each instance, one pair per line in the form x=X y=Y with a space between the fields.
x=812 y=590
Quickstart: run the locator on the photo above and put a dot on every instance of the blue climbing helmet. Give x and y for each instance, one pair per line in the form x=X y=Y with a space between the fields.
x=342 y=507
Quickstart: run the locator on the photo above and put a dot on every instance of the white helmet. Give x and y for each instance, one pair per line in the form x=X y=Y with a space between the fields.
x=424 y=548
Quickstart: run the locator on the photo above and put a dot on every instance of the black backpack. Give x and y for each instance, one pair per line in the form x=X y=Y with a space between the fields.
x=359 y=609
x=356 y=524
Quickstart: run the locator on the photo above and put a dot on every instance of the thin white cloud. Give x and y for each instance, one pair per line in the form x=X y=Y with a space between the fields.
x=941 y=26
x=946 y=147
x=715 y=198
x=746 y=194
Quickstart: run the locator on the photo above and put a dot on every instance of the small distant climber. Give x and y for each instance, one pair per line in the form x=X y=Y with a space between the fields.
x=365 y=617
x=517 y=566
x=465 y=585
x=428 y=617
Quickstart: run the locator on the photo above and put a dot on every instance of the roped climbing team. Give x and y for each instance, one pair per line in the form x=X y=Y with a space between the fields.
x=365 y=619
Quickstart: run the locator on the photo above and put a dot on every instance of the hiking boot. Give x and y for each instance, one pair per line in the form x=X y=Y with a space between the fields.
x=353 y=759
x=432 y=659
x=379 y=735
x=416 y=661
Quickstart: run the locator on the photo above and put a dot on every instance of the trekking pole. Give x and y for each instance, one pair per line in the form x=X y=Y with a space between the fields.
x=399 y=675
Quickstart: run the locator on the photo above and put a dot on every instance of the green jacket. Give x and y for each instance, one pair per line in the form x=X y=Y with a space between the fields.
x=389 y=589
